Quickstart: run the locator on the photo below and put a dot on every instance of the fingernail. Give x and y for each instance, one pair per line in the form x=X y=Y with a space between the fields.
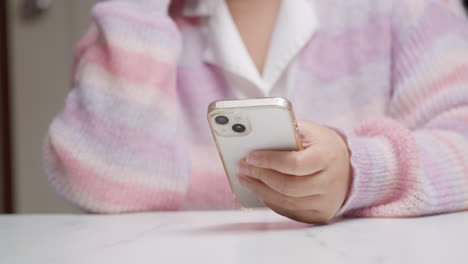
x=254 y=158
x=243 y=168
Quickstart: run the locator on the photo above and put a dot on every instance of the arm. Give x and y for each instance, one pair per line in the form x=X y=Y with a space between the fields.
x=415 y=162
x=115 y=146
x=412 y=162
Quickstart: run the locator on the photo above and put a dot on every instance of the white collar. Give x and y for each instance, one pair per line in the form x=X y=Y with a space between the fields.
x=296 y=23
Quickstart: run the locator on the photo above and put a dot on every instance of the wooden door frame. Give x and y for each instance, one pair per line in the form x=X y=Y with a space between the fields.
x=5 y=120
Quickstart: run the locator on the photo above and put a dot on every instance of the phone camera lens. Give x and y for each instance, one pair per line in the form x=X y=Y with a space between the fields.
x=239 y=128
x=222 y=120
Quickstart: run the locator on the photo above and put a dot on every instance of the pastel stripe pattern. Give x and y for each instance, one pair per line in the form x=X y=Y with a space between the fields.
x=133 y=134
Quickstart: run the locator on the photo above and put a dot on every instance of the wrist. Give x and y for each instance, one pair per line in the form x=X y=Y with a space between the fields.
x=349 y=174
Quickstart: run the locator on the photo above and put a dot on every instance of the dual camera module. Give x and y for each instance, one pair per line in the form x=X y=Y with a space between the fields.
x=223 y=120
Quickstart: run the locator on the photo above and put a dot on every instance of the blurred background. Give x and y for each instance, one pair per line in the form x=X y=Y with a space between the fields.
x=37 y=38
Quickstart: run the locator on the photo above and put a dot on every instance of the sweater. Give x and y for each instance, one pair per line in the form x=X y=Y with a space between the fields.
x=391 y=75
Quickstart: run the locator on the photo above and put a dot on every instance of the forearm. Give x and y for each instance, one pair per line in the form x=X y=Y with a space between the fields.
x=107 y=151
x=398 y=172
x=414 y=161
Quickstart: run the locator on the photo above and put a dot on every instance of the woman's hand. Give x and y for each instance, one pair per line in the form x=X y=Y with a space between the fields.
x=309 y=185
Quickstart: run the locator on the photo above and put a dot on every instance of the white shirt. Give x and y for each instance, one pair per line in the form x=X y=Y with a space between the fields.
x=295 y=25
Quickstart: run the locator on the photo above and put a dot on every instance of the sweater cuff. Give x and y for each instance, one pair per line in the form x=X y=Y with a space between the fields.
x=372 y=172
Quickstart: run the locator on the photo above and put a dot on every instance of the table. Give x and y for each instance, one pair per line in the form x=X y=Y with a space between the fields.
x=229 y=237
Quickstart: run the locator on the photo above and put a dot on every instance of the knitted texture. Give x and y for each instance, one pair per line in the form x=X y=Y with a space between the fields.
x=392 y=75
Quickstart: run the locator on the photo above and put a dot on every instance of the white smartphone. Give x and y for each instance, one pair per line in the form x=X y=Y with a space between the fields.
x=242 y=126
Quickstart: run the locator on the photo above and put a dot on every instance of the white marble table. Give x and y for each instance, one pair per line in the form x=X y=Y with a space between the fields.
x=229 y=237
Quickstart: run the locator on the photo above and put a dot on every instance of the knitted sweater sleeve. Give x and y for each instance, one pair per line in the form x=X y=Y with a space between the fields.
x=113 y=148
x=415 y=161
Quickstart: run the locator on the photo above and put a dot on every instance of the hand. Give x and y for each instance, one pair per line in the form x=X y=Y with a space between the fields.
x=309 y=185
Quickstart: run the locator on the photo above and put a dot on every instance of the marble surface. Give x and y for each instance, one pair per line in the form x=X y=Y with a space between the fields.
x=229 y=237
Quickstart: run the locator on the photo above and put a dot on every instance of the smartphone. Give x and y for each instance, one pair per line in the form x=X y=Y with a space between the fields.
x=242 y=126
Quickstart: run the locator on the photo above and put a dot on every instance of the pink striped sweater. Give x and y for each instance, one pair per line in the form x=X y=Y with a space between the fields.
x=393 y=75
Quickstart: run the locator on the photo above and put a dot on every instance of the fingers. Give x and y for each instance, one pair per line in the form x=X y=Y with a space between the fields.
x=300 y=163
x=289 y=185
x=308 y=185
x=308 y=216
x=277 y=199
